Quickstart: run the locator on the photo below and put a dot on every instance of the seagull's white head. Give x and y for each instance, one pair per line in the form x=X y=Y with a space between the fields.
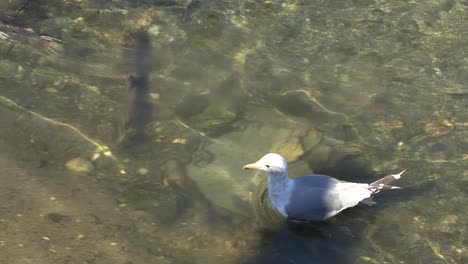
x=272 y=163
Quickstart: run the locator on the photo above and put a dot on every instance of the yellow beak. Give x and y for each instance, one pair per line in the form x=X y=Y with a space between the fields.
x=251 y=166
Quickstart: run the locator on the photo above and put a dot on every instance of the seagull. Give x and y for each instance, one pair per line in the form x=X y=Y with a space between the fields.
x=314 y=197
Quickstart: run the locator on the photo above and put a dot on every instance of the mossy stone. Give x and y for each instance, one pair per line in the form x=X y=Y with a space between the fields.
x=289 y=148
x=161 y=204
x=311 y=139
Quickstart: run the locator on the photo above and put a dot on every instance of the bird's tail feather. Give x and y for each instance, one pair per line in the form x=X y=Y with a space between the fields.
x=384 y=183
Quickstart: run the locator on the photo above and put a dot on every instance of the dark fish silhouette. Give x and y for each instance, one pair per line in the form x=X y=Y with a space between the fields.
x=138 y=107
x=139 y=110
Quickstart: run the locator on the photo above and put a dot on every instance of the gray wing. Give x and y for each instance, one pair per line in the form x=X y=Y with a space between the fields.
x=317 y=197
x=316 y=180
x=312 y=198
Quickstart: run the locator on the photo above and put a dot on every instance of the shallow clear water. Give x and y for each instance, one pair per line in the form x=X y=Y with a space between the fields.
x=124 y=134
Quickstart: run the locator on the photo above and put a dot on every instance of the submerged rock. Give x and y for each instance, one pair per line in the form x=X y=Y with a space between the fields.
x=214 y=117
x=56 y=217
x=439 y=127
x=301 y=104
x=311 y=139
x=318 y=156
x=350 y=163
x=214 y=114
x=163 y=205
x=79 y=165
x=289 y=148
x=222 y=180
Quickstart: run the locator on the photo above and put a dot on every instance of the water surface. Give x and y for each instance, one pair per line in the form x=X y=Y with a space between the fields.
x=126 y=127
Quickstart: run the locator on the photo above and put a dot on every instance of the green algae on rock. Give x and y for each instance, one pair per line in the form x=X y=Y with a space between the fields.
x=160 y=203
x=214 y=114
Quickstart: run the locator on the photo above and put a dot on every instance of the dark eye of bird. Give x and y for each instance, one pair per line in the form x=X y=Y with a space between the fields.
x=268 y=166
